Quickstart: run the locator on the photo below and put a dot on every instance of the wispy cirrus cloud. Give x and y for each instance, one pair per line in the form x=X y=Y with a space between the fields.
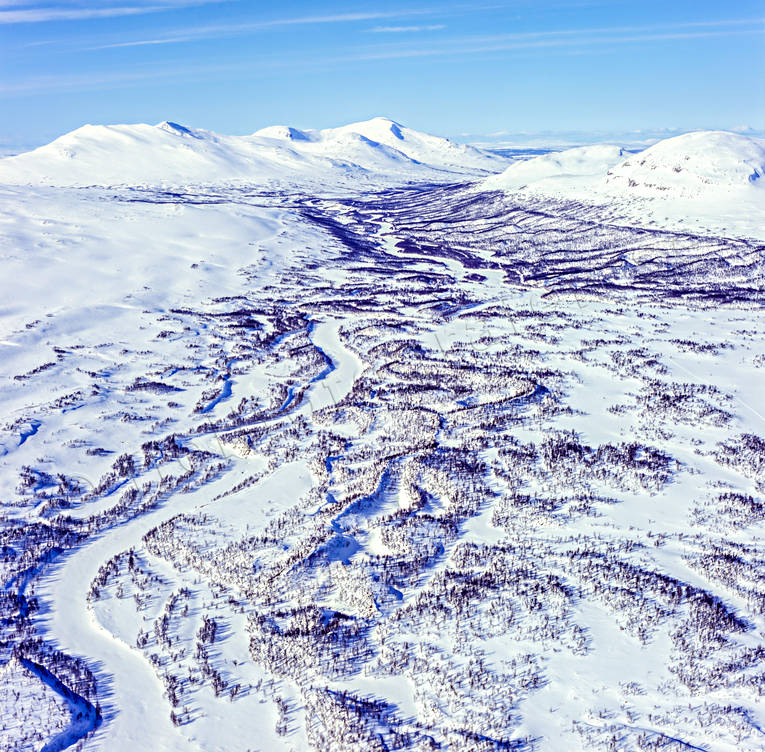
x=559 y=38
x=584 y=43
x=218 y=31
x=96 y=81
x=588 y=41
x=19 y=12
x=405 y=29
x=208 y=32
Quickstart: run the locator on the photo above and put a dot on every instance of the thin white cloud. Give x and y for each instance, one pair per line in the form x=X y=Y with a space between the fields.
x=47 y=14
x=4 y=4
x=142 y=43
x=404 y=29
x=562 y=42
x=41 y=15
x=192 y=34
x=223 y=30
x=585 y=42
x=584 y=34
x=113 y=79
x=84 y=4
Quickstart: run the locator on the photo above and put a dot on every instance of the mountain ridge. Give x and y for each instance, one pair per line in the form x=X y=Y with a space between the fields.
x=173 y=153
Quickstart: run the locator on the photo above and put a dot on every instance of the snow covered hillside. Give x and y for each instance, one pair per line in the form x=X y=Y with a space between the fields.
x=172 y=154
x=702 y=181
x=422 y=148
x=580 y=161
x=299 y=456
x=695 y=162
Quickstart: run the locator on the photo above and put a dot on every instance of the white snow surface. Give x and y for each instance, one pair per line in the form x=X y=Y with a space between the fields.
x=392 y=140
x=702 y=181
x=518 y=445
x=694 y=162
x=172 y=154
x=580 y=161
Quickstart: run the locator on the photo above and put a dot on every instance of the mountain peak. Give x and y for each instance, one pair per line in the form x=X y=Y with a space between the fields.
x=693 y=162
x=378 y=129
x=391 y=125
x=284 y=132
x=173 y=153
x=175 y=128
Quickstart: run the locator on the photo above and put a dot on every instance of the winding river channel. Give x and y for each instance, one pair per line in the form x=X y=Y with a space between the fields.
x=133 y=691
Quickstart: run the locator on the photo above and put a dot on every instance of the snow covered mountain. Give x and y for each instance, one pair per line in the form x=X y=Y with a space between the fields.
x=173 y=154
x=683 y=165
x=581 y=161
x=706 y=180
x=419 y=147
x=694 y=162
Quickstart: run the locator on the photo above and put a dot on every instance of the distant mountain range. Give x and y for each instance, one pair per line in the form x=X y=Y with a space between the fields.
x=710 y=179
x=169 y=153
x=175 y=154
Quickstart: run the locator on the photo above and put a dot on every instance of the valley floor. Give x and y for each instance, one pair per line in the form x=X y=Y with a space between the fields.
x=423 y=468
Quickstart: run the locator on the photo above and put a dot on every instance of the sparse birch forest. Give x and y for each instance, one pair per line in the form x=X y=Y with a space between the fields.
x=413 y=468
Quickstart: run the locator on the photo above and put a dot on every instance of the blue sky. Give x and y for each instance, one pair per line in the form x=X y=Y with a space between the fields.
x=470 y=68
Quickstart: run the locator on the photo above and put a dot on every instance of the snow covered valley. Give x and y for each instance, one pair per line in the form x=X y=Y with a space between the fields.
x=366 y=450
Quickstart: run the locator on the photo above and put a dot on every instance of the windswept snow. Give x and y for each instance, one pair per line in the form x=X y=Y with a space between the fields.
x=703 y=181
x=421 y=147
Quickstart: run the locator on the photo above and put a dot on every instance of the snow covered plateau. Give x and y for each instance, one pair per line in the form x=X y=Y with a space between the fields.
x=359 y=440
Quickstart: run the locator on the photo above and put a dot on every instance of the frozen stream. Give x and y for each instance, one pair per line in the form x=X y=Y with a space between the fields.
x=136 y=712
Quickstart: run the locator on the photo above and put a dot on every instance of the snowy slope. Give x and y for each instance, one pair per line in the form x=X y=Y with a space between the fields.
x=583 y=160
x=139 y=154
x=171 y=154
x=693 y=163
x=388 y=138
x=290 y=480
x=339 y=145
x=708 y=181
x=365 y=469
x=421 y=147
